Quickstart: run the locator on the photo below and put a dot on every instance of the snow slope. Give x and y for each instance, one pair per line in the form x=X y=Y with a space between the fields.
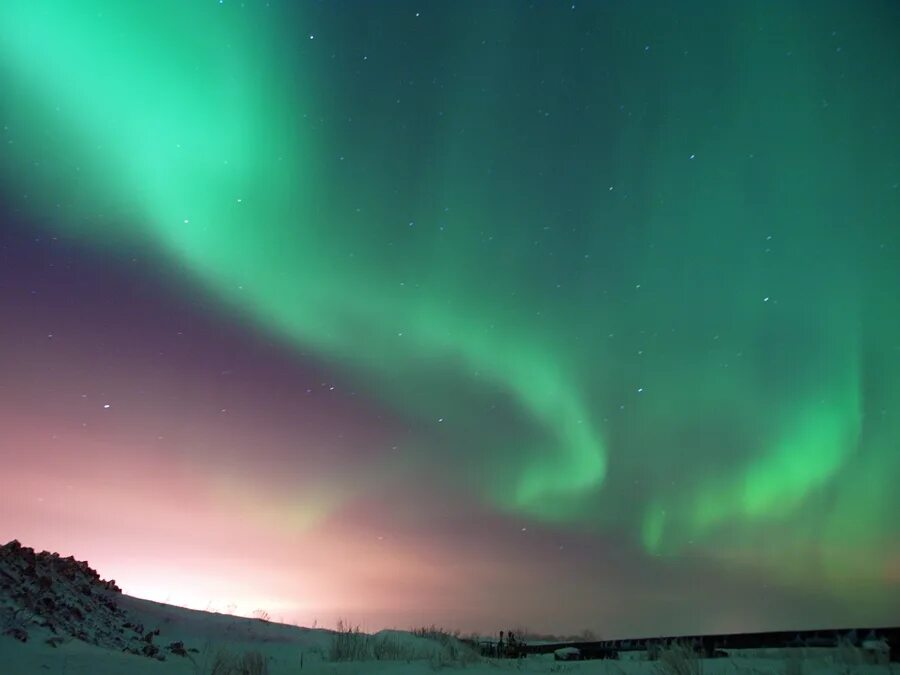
x=283 y=647
x=58 y=617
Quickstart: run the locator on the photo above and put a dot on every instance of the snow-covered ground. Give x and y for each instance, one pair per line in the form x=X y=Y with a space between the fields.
x=297 y=651
x=46 y=600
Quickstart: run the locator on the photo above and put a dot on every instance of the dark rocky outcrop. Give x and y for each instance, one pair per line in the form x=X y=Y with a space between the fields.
x=67 y=598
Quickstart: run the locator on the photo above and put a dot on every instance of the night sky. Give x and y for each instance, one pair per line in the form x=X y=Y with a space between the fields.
x=483 y=314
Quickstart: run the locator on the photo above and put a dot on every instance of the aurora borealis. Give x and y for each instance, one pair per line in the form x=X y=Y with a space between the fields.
x=568 y=315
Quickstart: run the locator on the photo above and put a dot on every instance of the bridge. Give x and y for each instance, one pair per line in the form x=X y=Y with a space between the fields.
x=710 y=646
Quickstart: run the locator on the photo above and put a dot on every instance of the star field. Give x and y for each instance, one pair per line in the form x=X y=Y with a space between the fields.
x=540 y=313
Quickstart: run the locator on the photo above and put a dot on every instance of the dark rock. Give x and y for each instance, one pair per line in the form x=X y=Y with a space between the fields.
x=19 y=634
x=177 y=648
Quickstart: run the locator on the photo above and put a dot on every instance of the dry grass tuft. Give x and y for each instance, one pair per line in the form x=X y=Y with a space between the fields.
x=848 y=654
x=391 y=648
x=679 y=659
x=248 y=663
x=453 y=651
x=349 y=643
x=793 y=664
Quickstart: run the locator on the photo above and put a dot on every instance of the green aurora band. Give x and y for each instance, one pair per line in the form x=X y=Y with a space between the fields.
x=664 y=273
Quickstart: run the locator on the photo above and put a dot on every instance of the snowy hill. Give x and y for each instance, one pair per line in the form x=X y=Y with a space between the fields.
x=58 y=616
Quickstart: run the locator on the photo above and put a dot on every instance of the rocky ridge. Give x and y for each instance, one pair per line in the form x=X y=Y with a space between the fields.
x=63 y=598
